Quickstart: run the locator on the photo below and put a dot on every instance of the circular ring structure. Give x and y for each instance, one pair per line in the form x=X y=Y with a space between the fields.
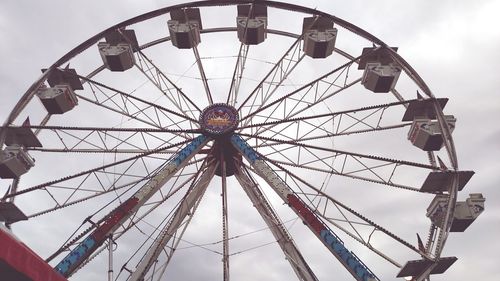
x=204 y=132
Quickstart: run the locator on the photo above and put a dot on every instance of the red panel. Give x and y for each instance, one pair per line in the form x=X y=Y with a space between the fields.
x=306 y=213
x=116 y=215
x=18 y=257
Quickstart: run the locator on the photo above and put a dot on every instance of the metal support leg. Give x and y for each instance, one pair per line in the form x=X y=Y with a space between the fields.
x=334 y=244
x=123 y=212
x=175 y=222
x=225 y=226
x=292 y=253
x=110 y=257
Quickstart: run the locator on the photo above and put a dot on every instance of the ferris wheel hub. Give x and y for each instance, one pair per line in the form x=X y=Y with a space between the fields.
x=219 y=119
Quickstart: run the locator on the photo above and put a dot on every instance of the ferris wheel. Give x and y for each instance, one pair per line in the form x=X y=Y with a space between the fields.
x=204 y=137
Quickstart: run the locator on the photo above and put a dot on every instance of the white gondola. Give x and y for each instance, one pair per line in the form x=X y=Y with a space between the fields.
x=319 y=37
x=465 y=211
x=117 y=52
x=58 y=99
x=60 y=96
x=251 y=24
x=380 y=78
x=14 y=161
x=118 y=57
x=426 y=134
x=184 y=28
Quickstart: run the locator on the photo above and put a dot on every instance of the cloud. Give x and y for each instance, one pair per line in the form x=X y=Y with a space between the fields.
x=452 y=45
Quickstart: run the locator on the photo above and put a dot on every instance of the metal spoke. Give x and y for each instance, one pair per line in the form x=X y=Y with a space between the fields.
x=105 y=147
x=338 y=152
x=133 y=222
x=331 y=114
x=323 y=97
x=332 y=242
x=365 y=243
x=44 y=185
x=286 y=62
x=131 y=97
x=331 y=135
x=112 y=188
x=292 y=253
x=171 y=227
x=109 y=129
x=309 y=85
x=353 y=236
x=350 y=210
x=118 y=111
x=203 y=75
x=161 y=77
x=118 y=216
x=279 y=65
x=89 y=150
x=330 y=170
x=314 y=84
x=164 y=85
x=126 y=141
x=349 y=175
x=225 y=225
x=239 y=67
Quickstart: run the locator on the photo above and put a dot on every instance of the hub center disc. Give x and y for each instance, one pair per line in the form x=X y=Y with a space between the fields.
x=219 y=119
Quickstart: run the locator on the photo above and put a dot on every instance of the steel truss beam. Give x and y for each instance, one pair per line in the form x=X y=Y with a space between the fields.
x=272 y=220
x=90 y=150
x=203 y=75
x=113 y=187
x=109 y=129
x=123 y=212
x=332 y=242
x=97 y=139
x=352 y=176
x=322 y=79
x=346 y=231
x=350 y=210
x=163 y=83
x=342 y=152
x=265 y=143
x=232 y=96
x=331 y=114
x=319 y=99
x=327 y=78
x=184 y=209
x=44 y=185
x=225 y=221
x=284 y=70
x=134 y=220
x=275 y=77
x=131 y=97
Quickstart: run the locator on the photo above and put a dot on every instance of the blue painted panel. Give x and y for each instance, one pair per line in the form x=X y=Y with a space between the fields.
x=244 y=148
x=188 y=149
x=348 y=258
x=72 y=258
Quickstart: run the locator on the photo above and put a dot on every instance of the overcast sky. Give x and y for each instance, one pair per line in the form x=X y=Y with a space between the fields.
x=452 y=44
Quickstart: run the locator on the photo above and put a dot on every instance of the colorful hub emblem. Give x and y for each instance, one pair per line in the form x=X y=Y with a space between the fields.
x=219 y=119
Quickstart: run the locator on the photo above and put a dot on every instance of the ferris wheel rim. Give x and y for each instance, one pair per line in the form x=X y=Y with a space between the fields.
x=209 y=3
x=163 y=11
